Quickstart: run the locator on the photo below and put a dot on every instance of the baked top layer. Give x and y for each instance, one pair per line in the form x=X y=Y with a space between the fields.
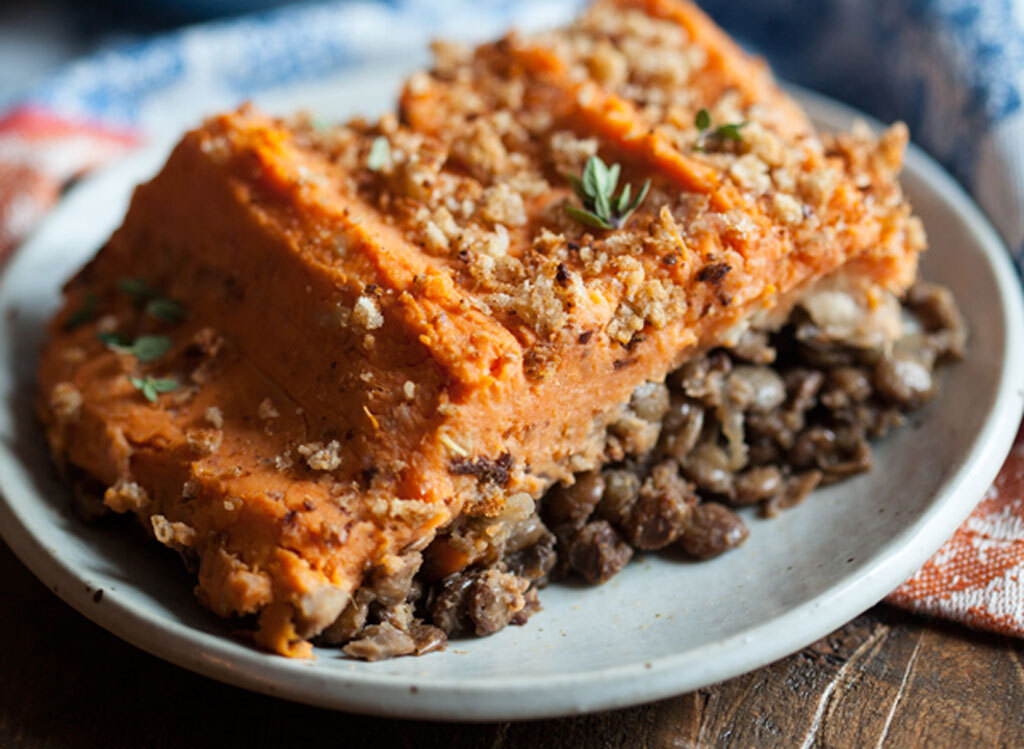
x=386 y=325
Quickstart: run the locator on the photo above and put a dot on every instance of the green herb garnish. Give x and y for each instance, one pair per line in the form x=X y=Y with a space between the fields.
x=144 y=295
x=380 y=152
x=730 y=131
x=114 y=340
x=151 y=387
x=596 y=191
x=163 y=308
x=145 y=348
x=83 y=314
x=137 y=289
x=703 y=120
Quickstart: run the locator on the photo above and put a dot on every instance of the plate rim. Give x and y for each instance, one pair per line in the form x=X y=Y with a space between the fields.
x=443 y=697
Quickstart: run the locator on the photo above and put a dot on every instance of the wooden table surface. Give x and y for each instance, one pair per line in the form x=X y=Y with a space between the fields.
x=886 y=678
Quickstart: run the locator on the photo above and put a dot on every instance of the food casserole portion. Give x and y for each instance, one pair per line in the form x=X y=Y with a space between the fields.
x=377 y=382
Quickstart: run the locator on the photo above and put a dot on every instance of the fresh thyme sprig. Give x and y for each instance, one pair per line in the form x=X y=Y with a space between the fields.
x=151 y=387
x=729 y=131
x=145 y=348
x=166 y=309
x=160 y=307
x=596 y=191
x=137 y=288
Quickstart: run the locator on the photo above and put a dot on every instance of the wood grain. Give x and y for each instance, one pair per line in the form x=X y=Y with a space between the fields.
x=885 y=679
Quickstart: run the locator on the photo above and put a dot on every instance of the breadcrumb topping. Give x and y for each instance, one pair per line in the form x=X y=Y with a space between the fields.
x=204 y=441
x=215 y=417
x=65 y=402
x=366 y=313
x=126 y=496
x=266 y=410
x=482 y=184
x=320 y=456
x=172 y=534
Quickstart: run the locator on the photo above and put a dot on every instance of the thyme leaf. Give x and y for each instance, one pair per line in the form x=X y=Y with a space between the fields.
x=137 y=288
x=151 y=387
x=145 y=348
x=166 y=309
x=729 y=131
x=596 y=191
x=158 y=306
x=703 y=120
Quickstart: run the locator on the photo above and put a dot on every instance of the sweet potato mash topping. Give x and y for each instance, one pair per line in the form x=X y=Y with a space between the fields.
x=376 y=328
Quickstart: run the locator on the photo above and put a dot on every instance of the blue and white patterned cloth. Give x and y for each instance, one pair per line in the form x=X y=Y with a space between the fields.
x=952 y=69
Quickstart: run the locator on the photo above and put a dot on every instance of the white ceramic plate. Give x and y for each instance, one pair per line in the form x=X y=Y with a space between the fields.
x=660 y=627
